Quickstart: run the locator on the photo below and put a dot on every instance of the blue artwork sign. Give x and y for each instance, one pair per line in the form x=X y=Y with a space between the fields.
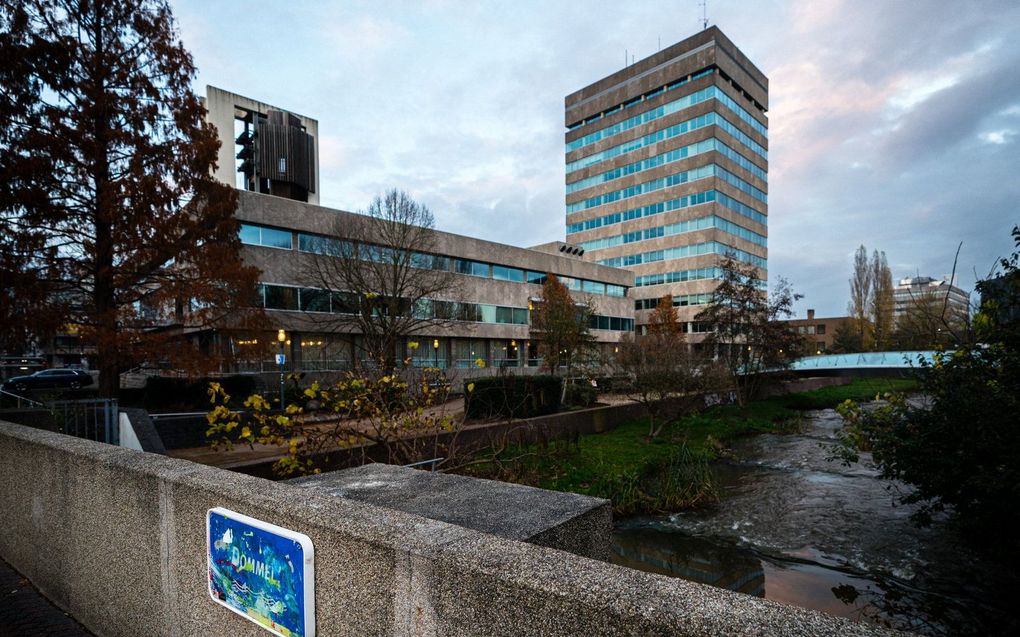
x=262 y=572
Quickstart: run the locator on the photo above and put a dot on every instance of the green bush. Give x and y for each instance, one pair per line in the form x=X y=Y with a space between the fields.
x=512 y=396
x=580 y=395
x=192 y=393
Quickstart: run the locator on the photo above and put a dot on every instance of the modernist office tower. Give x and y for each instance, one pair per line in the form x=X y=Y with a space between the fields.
x=667 y=168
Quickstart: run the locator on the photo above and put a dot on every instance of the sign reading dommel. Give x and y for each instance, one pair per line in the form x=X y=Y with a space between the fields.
x=262 y=572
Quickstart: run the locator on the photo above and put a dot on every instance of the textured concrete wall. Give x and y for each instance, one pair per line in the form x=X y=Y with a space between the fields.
x=117 y=538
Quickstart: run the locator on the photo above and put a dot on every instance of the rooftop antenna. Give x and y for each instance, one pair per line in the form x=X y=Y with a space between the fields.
x=704 y=13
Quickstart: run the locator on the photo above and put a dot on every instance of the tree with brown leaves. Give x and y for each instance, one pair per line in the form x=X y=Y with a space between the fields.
x=560 y=325
x=113 y=159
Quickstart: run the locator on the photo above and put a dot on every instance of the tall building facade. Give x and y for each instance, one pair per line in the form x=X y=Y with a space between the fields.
x=666 y=170
x=930 y=295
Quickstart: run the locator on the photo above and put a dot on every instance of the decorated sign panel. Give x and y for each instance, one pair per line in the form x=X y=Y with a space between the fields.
x=262 y=571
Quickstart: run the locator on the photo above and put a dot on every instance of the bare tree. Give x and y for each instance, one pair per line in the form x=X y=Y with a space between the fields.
x=661 y=366
x=385 y=277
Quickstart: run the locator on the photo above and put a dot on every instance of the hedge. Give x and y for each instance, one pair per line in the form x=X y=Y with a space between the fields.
x=514 y=396
x=191 y=394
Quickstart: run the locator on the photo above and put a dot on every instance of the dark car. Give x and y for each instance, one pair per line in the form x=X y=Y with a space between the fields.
x=49 y=379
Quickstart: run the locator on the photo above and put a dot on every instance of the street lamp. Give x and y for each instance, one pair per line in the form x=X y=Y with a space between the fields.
x=435 y=350
x=281 y=336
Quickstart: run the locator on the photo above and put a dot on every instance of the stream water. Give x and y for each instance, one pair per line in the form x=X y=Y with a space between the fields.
x=794 y=527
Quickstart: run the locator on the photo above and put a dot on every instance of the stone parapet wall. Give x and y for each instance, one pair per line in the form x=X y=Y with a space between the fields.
x=117 y=538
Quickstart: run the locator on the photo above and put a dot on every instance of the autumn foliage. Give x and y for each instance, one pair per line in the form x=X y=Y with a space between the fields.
x=108 y=205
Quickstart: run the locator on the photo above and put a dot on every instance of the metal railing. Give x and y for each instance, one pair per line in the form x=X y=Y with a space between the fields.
x=432 y=462
x=20 y=400
x=95 y=419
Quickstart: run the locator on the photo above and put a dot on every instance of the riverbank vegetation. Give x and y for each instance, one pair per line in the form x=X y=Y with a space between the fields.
x=959 y=451
x=671 y=471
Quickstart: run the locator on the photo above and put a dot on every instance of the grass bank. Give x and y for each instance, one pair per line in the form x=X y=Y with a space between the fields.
x=672 y=471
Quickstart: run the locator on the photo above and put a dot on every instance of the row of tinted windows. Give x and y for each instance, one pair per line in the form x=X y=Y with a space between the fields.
x=675 y=130
x=665 y=206
x=681 y=300
x=282 y=297
x=641 y=98
x=680 y=252
x=690 y=225
x=271 y=237
x=694 y=174
x=697 y=274
x=711 y=92
x=671 y=156
x=615 y=323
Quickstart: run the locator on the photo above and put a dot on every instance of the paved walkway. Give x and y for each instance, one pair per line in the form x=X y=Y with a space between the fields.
x=25 y=612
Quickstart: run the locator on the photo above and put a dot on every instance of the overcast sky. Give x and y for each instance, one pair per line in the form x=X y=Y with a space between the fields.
x=893 y=124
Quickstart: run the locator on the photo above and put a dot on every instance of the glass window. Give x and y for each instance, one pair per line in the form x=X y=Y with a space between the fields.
x=536 y=277
x=344 y=303
x=473 y=268
x=323 y=245
x=504 y=314
x=616 y=290
x=274 y=238
x=314 y=300
x=279 y=297
x=488 y=313
x=503 y=273
x=250 y=234
x=820 y=329
x=593 y=287
x=520 y=316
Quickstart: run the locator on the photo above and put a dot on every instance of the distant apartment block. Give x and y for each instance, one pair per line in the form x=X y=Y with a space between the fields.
x=666 y=170
x=818 y=333
x=931 y=292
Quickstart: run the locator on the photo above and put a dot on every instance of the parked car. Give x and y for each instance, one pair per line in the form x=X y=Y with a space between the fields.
x=49 y=379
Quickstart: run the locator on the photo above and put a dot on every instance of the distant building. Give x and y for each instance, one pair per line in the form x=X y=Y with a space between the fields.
x=817 y=332
x=666 y=171
x=931 y=294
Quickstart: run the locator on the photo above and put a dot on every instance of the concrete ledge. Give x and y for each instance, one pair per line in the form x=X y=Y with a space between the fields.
x=117 y=538
x=575 y=523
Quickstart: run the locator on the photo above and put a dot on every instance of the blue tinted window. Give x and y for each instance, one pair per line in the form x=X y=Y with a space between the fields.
x=250 y=234
x=504 y=273
x=274 y=238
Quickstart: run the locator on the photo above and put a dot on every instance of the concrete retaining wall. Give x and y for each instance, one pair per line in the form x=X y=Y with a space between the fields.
x=117 y=538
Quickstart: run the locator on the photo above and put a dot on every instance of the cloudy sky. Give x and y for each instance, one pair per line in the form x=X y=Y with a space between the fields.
x=893 y=123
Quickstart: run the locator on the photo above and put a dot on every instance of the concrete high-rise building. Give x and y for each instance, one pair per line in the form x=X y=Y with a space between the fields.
x=930 y=295
x=666 y=170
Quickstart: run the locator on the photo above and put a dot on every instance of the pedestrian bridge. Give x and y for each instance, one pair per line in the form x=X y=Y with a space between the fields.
x=862 y=363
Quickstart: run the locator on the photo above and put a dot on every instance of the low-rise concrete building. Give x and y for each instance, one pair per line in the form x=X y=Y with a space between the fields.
x=282 y=231
x=498 y=285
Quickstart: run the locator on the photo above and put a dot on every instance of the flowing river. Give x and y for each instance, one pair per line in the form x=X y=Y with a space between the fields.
x=797 y=528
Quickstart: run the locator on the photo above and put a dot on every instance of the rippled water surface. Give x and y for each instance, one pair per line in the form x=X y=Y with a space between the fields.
x=796 y=528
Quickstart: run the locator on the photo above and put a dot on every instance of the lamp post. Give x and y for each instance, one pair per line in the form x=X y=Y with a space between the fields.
x=435 y=352
x=281 y=336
